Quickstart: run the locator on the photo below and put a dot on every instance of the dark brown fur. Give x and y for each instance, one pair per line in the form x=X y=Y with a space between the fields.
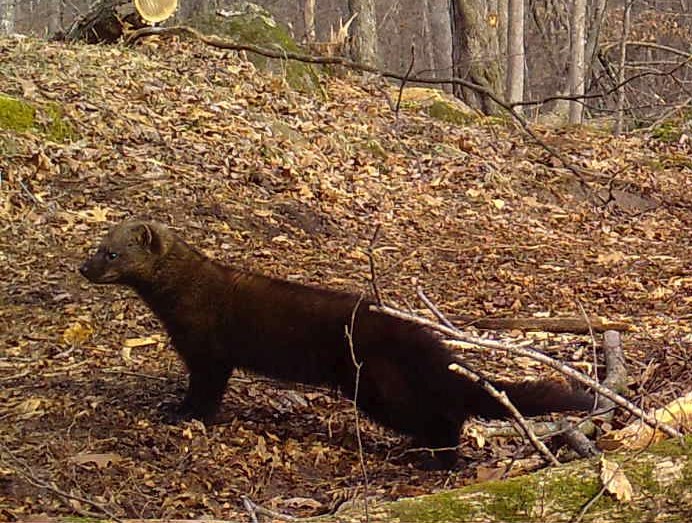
x=220 y=318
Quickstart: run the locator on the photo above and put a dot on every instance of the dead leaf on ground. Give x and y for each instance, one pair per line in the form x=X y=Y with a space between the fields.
x=615 y=481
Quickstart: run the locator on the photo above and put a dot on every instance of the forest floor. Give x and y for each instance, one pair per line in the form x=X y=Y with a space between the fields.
x=264 y=178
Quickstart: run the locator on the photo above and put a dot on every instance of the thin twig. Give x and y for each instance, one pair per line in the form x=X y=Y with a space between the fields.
x=250 y=509
x=404 y=81
x=430 y=305
x=25 y=472
x=27 y=191
x=358 y=365
x=254 y=509
x=504 y=400
x=594 y=346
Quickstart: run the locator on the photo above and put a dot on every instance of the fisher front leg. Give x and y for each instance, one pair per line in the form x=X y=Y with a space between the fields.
x=207 y=384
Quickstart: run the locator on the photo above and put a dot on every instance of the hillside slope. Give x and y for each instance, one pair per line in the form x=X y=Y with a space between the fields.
x=267 y=179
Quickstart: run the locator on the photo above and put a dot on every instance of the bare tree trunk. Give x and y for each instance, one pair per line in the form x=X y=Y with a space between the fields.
x=441 y=37
x=309 y=17
x=475 y=51
x=515 y=52
x=426 y=37
x=364 y=46
x=593 y=35
x=576 y=66
x=7 y=16
x=626 y=12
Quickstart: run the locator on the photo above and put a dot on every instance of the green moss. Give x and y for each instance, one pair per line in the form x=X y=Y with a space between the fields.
x=446 y=112
x=513 y=500
x=434 y=508
x=16 y=115
x=673 y=448
x=256 y=26
x=19 y=116
x=571 y=491
x=668 y=132
x=58 y=129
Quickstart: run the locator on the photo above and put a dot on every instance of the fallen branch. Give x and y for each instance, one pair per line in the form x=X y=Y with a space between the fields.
x=555 y=325
x=253 y=509
x=458 y=336
x=502 y=398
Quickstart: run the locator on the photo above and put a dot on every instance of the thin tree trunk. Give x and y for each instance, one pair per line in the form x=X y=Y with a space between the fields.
x=7 y=16
x=441 y=36
x=475 y=51
x=576 y=66
x=364 y=47
x=426 y=37
x=515 y=52
x=619 y=122
x=309 y=17
x=593 y=36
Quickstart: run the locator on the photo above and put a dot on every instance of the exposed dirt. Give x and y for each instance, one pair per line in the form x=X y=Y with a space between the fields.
x=484 y=221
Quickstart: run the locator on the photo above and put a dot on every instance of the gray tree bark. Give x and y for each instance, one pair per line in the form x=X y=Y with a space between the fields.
x=309 y=18
x=476 y=48
x=576 y=65
x=594 y=34
x=7 y=16
x=515 y=52
x=364 y=30
x=626 y=22
x=441 y=38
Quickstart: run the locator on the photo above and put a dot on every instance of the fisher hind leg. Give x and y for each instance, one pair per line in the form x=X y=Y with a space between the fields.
x=440 y=439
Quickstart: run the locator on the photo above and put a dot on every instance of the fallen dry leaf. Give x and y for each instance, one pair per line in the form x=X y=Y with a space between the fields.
x=639 y=435
x=101 y=460
x=615 y=481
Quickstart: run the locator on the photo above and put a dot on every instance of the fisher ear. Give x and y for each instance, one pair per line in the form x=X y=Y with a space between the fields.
x=146 y=236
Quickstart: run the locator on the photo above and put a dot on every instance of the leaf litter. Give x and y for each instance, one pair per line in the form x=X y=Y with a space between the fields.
x=293 y=185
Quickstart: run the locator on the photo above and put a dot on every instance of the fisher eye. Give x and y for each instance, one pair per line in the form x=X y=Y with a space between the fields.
x=112 y=255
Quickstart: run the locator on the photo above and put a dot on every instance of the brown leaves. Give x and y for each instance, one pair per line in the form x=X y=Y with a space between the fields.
x=294 y=186
x=615 y=481
x=638 y=435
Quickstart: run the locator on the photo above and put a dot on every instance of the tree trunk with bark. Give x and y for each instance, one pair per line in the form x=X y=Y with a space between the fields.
x=576 y=66
x=476 y=44
x=364 y=31
x=441 y=38
x=593 y=36
x=309 y=19
x=104 y=22
x=7 y=16
x=515 y=52
x=626 y=22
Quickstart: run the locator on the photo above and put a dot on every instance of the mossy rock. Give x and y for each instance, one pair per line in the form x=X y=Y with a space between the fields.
x=661 y=480
x=19 y=116
x=16 y=115
x=437 y=104
x=249 y=23
x=672 y=131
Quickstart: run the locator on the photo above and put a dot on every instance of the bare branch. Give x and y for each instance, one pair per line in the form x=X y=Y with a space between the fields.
x=570 y=372
x=504 y=400
x=358 y=365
